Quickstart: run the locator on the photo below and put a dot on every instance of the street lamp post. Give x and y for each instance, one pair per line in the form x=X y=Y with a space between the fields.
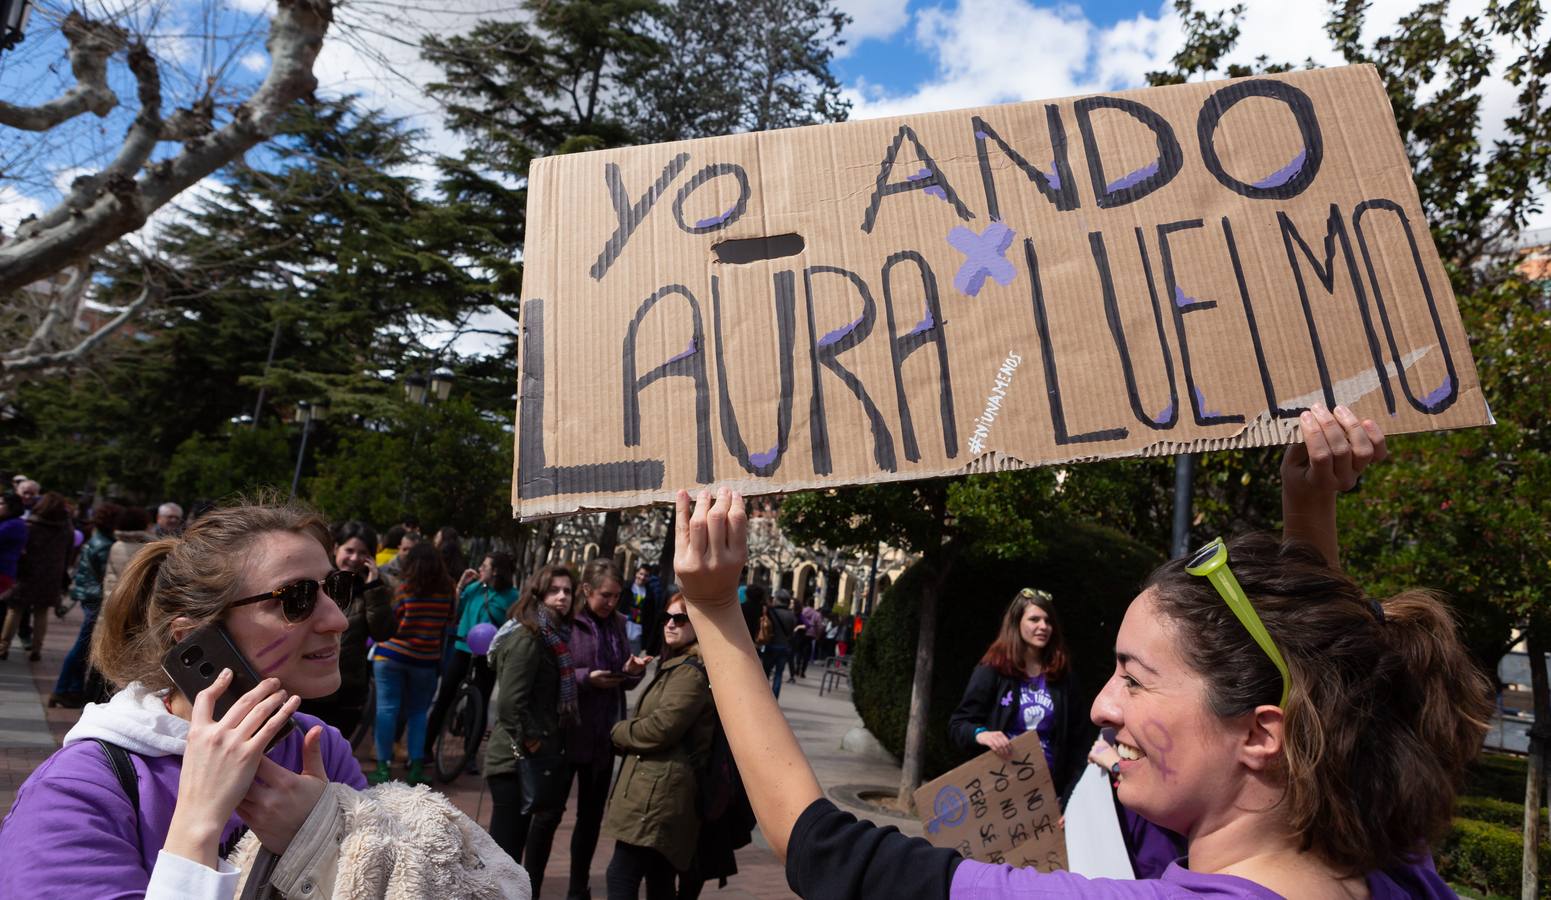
x=305 y=413
x=421 y=390
x=13 y=20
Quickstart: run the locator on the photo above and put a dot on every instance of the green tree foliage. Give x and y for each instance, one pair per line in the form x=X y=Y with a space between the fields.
x=725 y=66
x=449 y=464
x=235 y=461
x=329 y=252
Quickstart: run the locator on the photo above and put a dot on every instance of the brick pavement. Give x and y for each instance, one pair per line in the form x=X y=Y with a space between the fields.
x=29 y=733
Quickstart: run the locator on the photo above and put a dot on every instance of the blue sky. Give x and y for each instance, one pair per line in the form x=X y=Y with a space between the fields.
x=900 y=57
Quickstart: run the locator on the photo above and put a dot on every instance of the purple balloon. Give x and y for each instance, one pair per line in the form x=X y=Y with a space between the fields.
x=79 y=538
x=479 y=638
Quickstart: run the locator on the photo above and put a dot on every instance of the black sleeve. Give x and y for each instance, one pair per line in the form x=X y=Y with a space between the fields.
x=974 y=711
x=832 y=856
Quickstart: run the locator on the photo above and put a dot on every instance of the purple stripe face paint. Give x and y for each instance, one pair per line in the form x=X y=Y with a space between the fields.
x=276 y=652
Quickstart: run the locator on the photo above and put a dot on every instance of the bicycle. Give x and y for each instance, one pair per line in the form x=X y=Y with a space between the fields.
x=462 y=731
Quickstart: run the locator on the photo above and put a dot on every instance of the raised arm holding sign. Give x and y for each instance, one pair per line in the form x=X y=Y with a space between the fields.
x=1215 y=741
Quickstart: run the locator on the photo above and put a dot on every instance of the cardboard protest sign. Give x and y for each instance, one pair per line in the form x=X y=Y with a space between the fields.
x=996 y=810
x=1147 y=272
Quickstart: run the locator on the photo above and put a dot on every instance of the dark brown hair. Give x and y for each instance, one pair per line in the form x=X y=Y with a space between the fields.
x=194 y=575
x=425 y=575
x=51 y=507
x=1009 y=654
x=503 y=569
x=525 y=610
x=1384 y=711
x=105 y=518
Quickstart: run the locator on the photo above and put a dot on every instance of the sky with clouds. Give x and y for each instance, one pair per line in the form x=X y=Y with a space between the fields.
x=899 y=57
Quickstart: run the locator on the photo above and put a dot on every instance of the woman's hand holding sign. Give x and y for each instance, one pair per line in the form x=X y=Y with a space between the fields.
x=1336 y=448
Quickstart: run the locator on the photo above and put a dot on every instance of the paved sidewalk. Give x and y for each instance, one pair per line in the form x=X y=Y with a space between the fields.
x=29 y=733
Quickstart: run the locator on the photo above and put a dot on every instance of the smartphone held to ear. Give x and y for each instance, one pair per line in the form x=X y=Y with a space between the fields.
x=197 y=661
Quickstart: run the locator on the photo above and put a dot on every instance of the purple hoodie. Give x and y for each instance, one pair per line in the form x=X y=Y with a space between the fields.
x=72 y=832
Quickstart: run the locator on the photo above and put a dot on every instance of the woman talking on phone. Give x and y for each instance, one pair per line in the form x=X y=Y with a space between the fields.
x=1304 y=738
x=264 y=575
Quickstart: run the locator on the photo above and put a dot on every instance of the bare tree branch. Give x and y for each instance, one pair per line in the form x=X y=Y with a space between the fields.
x=62 y=307
x=103 y=208
x=91 y=44
x=18 y=362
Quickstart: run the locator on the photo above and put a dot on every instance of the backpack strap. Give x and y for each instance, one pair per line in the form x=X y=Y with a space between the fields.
x=124 y=771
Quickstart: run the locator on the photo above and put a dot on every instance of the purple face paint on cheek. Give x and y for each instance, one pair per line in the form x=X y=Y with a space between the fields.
x=1162 y=744
x=276 y=652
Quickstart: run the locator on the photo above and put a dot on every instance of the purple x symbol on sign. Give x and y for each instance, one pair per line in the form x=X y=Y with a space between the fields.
x=982 y=257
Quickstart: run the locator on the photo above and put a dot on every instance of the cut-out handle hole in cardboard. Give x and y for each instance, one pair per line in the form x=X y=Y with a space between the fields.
x=750 y=250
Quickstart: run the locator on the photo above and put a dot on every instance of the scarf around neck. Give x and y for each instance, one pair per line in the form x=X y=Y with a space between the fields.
x=554 y=635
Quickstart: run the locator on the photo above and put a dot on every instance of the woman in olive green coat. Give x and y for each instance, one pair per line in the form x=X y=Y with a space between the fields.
x=532 y=705
x=652 y=810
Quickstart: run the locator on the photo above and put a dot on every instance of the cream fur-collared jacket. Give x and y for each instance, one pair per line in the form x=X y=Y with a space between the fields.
x=392 y=841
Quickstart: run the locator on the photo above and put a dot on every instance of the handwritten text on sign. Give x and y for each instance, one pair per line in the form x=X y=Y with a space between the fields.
x=1188 y=266
x=998 y=810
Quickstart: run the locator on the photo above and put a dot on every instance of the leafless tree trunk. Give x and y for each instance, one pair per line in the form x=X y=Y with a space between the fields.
x=1535 y=782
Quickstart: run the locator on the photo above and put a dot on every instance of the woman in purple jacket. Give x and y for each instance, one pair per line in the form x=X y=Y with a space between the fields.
x=1306 y=742
x=264 y=574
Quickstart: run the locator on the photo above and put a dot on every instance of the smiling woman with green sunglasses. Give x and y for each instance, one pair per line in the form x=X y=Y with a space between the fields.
x=1304 y=740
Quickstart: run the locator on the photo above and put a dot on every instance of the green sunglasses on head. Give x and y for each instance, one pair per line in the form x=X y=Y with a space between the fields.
x=1211 y=563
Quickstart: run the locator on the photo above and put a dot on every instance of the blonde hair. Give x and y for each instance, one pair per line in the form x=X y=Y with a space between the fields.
x=193 y=576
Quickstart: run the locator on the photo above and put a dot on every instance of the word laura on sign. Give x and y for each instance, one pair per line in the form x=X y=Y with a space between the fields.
x=1170 y=269
x=998 y=810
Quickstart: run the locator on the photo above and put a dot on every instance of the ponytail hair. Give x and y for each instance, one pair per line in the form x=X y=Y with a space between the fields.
x=192 y=576
x=1385 y=708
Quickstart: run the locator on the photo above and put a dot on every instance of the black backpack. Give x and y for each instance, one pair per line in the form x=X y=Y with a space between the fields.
x=721 y=787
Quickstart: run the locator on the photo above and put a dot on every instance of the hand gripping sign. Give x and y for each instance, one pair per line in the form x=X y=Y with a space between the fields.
x=1154 y=271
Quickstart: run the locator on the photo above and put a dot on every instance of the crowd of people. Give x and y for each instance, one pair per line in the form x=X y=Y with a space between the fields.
x=1268 y=728
x=390 y=620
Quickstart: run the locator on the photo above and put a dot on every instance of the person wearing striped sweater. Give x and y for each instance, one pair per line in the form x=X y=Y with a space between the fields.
x=406 y=666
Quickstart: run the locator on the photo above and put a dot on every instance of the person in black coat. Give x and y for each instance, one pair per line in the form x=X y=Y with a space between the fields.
x=1025 y=683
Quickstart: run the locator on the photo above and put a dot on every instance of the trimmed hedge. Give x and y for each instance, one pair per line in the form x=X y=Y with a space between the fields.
x=1485 y=846
x=1093 y=573
x=1486 y=857
x=1498 y=812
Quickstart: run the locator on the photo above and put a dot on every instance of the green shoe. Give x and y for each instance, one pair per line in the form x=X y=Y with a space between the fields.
x=416 y=774
x=381 y=774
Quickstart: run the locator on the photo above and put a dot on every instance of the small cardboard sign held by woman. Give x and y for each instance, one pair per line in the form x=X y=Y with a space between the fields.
x=998 y=810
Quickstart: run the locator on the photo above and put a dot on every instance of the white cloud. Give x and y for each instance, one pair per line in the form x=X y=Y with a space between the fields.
x=870 y=19
x=16 y=206
x=998 y=51
x=255 y=62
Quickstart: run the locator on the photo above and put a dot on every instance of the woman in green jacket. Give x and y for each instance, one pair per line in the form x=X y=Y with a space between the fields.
x=535 y=700
x=652 y=811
